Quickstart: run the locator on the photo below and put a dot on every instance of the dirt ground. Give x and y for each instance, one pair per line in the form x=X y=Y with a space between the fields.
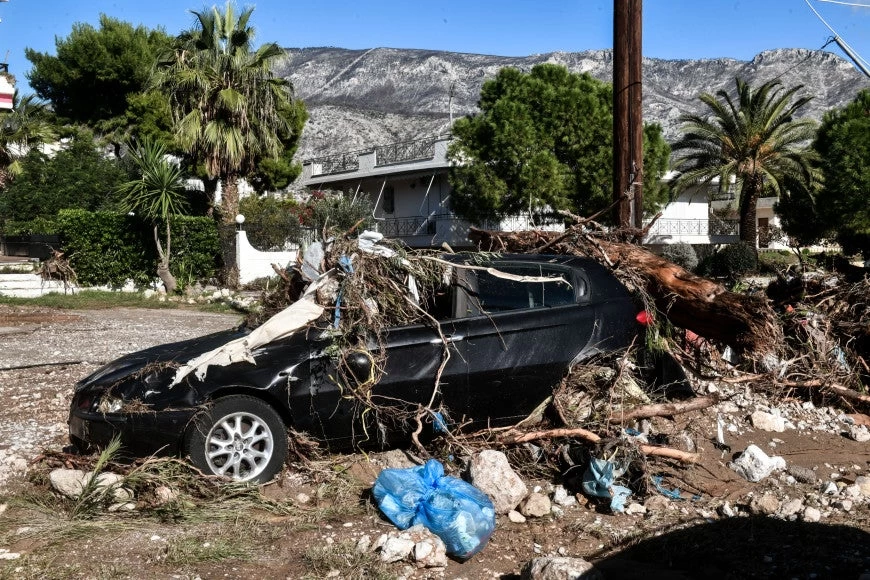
x=309 y=522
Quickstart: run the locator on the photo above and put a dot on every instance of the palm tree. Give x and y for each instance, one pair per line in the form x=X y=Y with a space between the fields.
x=755 y=140
x=226 y=104
x=24 y=127
x=157 y=195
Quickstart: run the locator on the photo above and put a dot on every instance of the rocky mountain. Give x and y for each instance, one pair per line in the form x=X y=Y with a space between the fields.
x=360 y=98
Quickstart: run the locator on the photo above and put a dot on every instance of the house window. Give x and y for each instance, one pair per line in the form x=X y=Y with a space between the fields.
x=389 y=203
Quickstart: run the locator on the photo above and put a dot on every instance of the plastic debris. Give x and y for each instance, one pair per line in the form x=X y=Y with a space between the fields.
x=669 y=493
x=453 y=509
x=598 y=481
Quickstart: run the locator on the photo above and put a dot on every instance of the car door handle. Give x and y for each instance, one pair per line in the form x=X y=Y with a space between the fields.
x=447 y=338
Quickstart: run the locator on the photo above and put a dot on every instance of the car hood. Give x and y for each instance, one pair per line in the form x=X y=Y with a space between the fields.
x=182 y=351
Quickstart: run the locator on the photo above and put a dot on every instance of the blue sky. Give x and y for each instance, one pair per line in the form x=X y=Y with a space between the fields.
x=673 y=29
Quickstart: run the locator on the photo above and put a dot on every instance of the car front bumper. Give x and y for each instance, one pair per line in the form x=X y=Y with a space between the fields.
x=141 y=434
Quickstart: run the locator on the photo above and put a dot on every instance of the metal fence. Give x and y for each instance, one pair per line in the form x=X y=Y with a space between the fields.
x=337 y=163
x=695 y=227
x=407 y=227
x=405 y=151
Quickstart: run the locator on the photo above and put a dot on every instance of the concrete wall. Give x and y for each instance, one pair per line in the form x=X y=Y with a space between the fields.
x=255 y=264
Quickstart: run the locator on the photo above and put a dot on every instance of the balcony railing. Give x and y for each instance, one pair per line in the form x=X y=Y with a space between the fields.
x=407 y=227
x=337 y=163
x=695 y=227
x=405 y=151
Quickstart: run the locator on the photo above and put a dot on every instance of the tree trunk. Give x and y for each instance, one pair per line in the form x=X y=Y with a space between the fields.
x=229 y=209
x=169 y=282
x=746 y=323
x=229 y=198
x=748 y=210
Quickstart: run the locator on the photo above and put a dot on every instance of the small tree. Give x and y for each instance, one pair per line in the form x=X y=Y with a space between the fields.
x=157 y=195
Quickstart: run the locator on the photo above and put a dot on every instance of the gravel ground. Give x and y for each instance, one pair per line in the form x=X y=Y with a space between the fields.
x=810 y=520
x=44 y=352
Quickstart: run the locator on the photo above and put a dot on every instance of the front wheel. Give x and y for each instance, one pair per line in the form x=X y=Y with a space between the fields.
x=239 y=437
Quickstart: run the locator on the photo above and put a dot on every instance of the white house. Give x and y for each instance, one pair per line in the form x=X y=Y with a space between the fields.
x=407 y=184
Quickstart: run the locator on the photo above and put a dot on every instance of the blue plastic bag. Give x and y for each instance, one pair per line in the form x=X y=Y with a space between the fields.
x=598 y=481
x=452 y=509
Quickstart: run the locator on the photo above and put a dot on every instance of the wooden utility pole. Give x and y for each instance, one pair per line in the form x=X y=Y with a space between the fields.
x=627 y=112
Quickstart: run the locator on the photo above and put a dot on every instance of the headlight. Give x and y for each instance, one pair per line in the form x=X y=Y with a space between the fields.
x=110 y=404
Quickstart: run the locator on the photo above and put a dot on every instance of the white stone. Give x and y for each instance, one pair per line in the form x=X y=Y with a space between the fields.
x=562 y=497
x=859 y=433
x=754 y=464
x=863 y=482
x=791 y=507
x=396 y=548
x=492 y=474
x=560 y=568
x=430 y=553
x=69 y=482
x=536 y=505
x=812 y=515
x=768 y=422
x=363 y=544
x=635 y=508
x=516 y=517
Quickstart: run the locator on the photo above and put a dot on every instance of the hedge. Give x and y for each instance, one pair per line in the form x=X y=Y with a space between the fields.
x=107 y=248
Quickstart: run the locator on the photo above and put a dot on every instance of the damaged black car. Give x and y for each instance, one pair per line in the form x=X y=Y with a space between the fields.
x=492 y=339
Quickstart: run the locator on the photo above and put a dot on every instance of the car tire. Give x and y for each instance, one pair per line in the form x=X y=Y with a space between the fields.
x=239 y=437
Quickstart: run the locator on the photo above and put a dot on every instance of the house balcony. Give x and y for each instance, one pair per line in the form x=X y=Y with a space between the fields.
x=377 y=160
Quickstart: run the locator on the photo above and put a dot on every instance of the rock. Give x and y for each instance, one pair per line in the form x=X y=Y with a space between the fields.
x=811 y=515
x=863 y=482
x=492 y=474
x=768 y=422
x=859 y=433
x=363 y=544
x=396 y=548
x=418 y=543
x=516 y=517
x=853 y=491
x=396 y=459
x=562 y=497
x=791 y=507
x=726 y=511
x=655 y=503
x=844 y=504
x=830 y=488
x=536 y=505
x=635 y=508
x=165 y=494
x=766 y=505
x=68 y=482
x=682 y=441
x=802 y=474
x=754 y=464
x=560 y=568
x=430 y=553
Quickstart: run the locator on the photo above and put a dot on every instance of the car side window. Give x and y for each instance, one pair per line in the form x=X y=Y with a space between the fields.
x=497 y=294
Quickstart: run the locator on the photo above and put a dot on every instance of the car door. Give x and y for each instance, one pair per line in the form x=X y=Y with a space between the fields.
x=523 y=337
x=412 y=359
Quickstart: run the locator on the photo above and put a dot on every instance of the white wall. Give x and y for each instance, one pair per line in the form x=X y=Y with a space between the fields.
x=255 y=264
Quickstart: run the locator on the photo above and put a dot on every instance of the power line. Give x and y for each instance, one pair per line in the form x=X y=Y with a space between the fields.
x=845 y=3
x=862 y=64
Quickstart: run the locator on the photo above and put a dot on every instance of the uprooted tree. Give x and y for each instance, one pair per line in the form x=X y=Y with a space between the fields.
x=705 y=307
